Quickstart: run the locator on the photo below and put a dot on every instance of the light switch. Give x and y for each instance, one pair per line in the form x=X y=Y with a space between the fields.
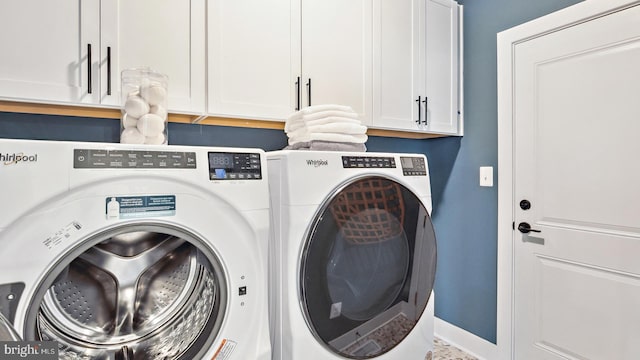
x=486 y=176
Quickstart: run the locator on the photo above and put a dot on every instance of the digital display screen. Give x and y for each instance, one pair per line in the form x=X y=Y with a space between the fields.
x=220 y=160
x=234 y=166
x=406 y=162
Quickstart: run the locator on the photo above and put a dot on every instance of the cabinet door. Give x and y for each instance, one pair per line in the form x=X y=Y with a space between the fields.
x=443 y=85
x=253 y=57
x=45 y=51
x=169 y=37
x=399 y=73
x=337 y=54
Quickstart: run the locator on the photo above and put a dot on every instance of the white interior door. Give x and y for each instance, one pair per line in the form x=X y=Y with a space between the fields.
x=576 y=128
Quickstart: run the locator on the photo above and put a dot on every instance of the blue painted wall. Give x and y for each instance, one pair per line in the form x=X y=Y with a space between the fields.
x=464 y=214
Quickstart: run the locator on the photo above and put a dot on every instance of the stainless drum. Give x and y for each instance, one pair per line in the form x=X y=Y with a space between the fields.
x=135 y=295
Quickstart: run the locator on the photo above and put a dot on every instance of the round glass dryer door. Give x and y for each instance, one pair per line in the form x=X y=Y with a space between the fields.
x=368 y=267
x=138 y=292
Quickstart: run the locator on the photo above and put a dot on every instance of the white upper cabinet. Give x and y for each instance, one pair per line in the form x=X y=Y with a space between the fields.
x=399 y=71
x=395 y=62
x=268 y=59
x=416 y=66
x=443 y=63
x=253 y=58
x=337 y=56
x=167 y=36
x=77 y=50
x=50 y=51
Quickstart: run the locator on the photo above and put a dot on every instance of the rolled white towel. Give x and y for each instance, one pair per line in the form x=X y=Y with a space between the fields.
x=303 y=116
x=155 y=94
x=333 y=120
x=155 y=140
x=135 y=106
x=294 y=126
x=320 y=108
x=129 y=121
x=150 y=125
x=336 y=146
x=357 y=139
x=327 y=146
x=325 y=121
x=339 y=128
x=331 y=117
x=131 y=136
x=300 y=115
x=336 y=128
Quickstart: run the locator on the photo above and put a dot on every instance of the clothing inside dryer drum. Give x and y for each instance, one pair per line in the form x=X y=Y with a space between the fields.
x=368 y=268
x=137 y=295
x=366 y=278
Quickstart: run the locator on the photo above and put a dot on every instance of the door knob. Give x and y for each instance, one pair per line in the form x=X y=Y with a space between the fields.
x=525 y=228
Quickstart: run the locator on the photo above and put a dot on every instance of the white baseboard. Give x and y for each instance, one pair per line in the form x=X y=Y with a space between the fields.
x=466 y=341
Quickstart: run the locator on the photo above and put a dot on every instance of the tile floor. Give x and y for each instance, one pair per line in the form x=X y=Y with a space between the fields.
x=444 y=351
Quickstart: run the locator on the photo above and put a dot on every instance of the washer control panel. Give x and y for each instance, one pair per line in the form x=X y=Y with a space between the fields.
x=128 y=159
x=368 y=162
x=413 y=166
x=234 y=166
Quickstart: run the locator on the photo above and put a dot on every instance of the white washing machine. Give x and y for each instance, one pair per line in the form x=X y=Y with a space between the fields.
x=352 y=256
x=135 y=252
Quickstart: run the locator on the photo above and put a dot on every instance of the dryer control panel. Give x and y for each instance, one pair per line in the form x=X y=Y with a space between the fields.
x=234 y=166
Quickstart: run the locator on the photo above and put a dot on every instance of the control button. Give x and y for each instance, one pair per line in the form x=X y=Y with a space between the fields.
x=242 y=290
x=220 y=173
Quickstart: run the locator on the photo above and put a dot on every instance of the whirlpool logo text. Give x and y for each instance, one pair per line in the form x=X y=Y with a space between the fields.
x=316 y=163
x=16 y=158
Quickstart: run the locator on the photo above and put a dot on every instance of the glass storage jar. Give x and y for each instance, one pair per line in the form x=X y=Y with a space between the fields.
x=144 y=107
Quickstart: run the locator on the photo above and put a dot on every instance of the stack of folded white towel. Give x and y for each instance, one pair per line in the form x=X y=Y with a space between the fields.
x=326 y=127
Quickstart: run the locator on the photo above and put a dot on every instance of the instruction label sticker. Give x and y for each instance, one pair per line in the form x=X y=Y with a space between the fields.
x=61 y=235
x=225 y=350
x=125 y=207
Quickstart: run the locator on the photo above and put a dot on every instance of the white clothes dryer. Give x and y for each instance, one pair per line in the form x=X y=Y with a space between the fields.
x=352 y=256
x=135 y=252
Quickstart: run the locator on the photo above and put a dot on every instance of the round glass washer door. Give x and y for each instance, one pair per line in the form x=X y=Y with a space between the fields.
x=139 y=292
x=368 y=267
